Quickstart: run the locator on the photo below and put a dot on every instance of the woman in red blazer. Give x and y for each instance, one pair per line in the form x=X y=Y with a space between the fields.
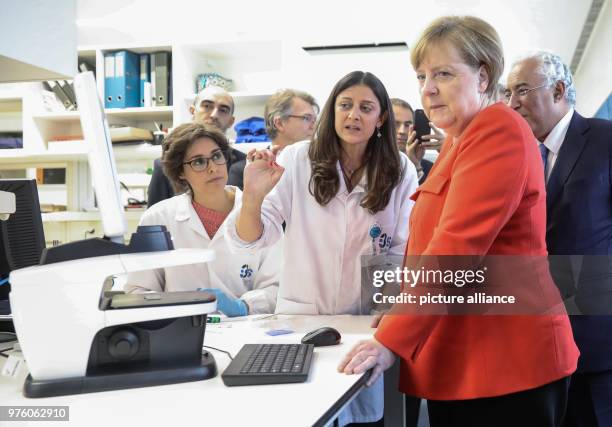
x=484 y=196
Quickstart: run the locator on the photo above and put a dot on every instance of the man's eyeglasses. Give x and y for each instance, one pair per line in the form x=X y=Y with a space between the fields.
x=200 y=163
x=520 y=93
x=306 y=118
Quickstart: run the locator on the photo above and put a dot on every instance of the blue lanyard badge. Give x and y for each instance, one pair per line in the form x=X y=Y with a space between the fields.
x=375 y=232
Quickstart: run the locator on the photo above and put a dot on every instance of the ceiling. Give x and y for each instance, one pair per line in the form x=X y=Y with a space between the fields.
x=554 y=25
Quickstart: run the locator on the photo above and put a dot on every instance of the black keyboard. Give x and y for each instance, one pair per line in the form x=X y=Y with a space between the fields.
x=269 y=364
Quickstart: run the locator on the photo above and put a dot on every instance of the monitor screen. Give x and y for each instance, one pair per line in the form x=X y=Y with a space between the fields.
x=22 y=238
x=101 y=158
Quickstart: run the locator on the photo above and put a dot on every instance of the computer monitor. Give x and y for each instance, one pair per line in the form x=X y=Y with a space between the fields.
x=22 y=238
x=100 y=156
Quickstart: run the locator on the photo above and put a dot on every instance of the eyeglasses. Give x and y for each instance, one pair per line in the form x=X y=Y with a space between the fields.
x=520 y=93
x=200 y=163
x=306 y=118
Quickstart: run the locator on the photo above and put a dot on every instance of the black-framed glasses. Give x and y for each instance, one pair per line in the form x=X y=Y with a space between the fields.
x=522 y=92
x=306 y=118
x=200 y=163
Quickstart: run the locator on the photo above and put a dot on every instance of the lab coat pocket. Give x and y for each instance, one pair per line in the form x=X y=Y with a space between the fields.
x=287 y=306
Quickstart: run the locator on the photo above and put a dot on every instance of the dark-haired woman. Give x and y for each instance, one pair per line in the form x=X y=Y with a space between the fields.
x=343 y=194
x=194 y=160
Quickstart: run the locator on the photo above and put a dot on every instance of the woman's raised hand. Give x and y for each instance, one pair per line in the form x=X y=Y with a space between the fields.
x=261 y=174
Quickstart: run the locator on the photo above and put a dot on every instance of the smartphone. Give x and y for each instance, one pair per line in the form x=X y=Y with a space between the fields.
x=421 y=124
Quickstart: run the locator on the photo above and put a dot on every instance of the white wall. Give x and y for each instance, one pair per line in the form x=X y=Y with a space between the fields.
x=522 y=24
x=593 y=77
x=38 y=40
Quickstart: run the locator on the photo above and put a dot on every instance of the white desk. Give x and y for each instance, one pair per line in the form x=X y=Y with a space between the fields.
x=210 y=402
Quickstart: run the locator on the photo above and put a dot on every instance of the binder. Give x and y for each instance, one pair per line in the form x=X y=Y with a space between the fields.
x=127 y=79
x=145 y=77
x=109 y=79
x=160 y=67
x=61 y=95
x=68 y=89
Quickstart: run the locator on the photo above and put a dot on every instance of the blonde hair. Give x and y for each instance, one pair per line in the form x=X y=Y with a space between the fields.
x=475 y=39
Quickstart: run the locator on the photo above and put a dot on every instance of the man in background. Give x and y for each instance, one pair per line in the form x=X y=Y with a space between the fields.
x=290 y=117
x=404 y=126
x=212 y=106
x=577 y=157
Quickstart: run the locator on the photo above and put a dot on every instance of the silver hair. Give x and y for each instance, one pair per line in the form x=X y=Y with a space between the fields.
x=553 y=69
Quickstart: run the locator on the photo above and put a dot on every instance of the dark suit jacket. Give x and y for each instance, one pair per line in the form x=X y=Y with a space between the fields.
x=579 y=222
x=236 y=172
x=426 y=165
x=161 y=189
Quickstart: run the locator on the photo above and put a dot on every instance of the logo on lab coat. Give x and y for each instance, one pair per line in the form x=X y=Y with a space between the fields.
x=245 y=271
x=375 y=231
x=384 y=242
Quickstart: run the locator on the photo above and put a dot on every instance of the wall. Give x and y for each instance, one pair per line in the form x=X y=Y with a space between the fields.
x=593 y=78
x=37 y=40
x=522 y=25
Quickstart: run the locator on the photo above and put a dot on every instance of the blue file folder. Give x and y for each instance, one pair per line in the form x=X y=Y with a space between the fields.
x=127 y=79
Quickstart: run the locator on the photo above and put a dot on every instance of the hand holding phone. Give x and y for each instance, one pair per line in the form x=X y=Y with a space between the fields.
x=421 y=124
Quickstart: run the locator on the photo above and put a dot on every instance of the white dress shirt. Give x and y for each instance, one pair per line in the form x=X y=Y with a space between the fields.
x=554 y=140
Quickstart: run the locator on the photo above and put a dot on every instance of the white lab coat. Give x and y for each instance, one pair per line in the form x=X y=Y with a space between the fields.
x=252 y=277
x=322 y=247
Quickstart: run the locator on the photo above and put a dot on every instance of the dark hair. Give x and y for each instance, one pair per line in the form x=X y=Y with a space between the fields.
x=178 y=142
x=398 y=102
x=381 y=158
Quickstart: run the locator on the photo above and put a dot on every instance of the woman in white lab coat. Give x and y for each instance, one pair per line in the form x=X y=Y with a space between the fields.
x=342 y=195
x=194 y=160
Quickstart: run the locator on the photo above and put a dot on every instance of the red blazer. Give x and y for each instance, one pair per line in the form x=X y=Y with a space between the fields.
x=484 y=195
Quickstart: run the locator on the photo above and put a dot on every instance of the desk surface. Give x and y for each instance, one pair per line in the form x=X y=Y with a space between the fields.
x=210 y=402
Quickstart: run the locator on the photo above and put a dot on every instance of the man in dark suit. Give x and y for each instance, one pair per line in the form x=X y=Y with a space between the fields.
x=415 y=150
x=212 y=106
x=577 y=156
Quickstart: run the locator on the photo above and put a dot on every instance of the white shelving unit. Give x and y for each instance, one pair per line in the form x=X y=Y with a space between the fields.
x=254 y=67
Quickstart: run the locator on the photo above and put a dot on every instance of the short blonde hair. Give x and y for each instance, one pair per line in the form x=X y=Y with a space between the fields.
x=475 y=39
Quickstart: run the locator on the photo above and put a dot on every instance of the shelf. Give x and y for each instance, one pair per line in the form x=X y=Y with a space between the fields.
x=68 y=216
x=241 y=97
x=128 y=152
x=138 y=48
x=134 y=113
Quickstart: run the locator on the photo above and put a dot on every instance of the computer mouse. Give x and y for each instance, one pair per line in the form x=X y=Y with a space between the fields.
x=322 y=337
